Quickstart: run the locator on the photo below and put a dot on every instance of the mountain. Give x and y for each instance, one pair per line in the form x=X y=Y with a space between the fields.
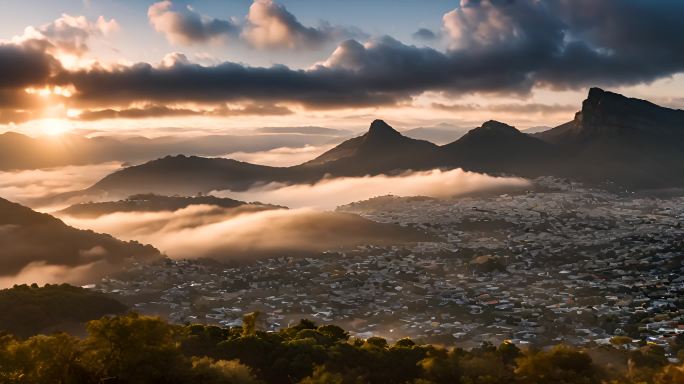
x=537 y=129
x=630 y=142
x=153 y=203
x=18 y=151
x=440 y=134
x=185 y=175
x=32 y=243
x=611 y=116
x=498 y=147
x=381 y=149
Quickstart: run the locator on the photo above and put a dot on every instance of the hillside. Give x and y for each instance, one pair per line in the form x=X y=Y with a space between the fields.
x=32 y=241
x=29 y=310
x=497 y=147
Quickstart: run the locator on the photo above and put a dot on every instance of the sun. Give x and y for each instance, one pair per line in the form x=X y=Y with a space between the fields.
x=55 y=127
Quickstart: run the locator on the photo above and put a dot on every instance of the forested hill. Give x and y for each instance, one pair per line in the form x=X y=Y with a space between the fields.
x=138 y=349
x=28 y=310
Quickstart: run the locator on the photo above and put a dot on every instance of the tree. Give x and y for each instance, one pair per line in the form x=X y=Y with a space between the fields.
x=208 y=371
x=559 y=365
x=135 y=349
x=322 y=376
x=249 y=323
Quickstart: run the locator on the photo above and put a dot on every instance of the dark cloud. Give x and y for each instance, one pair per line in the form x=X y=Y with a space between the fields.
x=424 y=34
x=185 y=26
x=322 y=87
x=526 y=108
x=164 y=111
x=496 y=46
x=25 y=65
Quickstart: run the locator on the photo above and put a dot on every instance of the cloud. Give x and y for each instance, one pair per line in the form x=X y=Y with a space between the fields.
x=270 y=25
x=253 y=231
x=283 y=156
x=328 y=194
x=522 y=109
x=41 y=273
x=151 y=111
x=305 y=131
x=24 y=65
x=245 y=233
x=39 y=246
x=496 y=46
x=225 y=82
x=69 y=34
x=185 y=26
x=424 y=34
x=486 y=24
x=31 y=186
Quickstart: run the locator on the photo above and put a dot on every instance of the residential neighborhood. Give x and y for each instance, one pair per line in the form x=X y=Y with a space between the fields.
x=559 y=263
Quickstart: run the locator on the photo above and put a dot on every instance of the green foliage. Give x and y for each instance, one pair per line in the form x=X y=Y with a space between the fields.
x=560 y=365
x=139 y=349
x=27 y=310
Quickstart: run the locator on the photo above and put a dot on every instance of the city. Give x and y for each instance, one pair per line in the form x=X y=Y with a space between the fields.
x=559 y=263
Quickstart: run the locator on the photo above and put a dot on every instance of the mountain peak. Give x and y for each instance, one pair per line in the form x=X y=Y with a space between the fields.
x=493 y=128
x=595 y=93
x=493 y=125
x=381 y=129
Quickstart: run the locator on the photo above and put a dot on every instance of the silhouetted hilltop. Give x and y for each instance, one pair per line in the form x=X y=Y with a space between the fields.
x=628 y=141
x=498 y=147
x=608 y=115
x=381 y=149
x=187 y=175
x=151 y=203
x=30 y=241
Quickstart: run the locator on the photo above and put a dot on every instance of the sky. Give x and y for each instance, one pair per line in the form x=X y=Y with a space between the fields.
x=244 y=64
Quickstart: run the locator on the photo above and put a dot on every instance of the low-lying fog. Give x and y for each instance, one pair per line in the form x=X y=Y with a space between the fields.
x=330 y=193
x=243 y=233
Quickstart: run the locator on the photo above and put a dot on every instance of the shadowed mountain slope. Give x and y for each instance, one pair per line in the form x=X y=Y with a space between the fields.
x=32 y=240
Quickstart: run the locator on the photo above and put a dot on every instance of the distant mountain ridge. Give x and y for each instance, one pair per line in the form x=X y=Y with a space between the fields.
x=629 y=142
x=20 y=152
x=440 y=134
x=155 y=203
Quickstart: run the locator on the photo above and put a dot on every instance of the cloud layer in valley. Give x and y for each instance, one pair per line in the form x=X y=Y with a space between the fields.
x=330 y=193
x=247 y=232
x=33 y=186
x=283 y=156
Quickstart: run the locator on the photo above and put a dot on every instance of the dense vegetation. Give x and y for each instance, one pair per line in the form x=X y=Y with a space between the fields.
x=27 y=310
x=138 y=349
